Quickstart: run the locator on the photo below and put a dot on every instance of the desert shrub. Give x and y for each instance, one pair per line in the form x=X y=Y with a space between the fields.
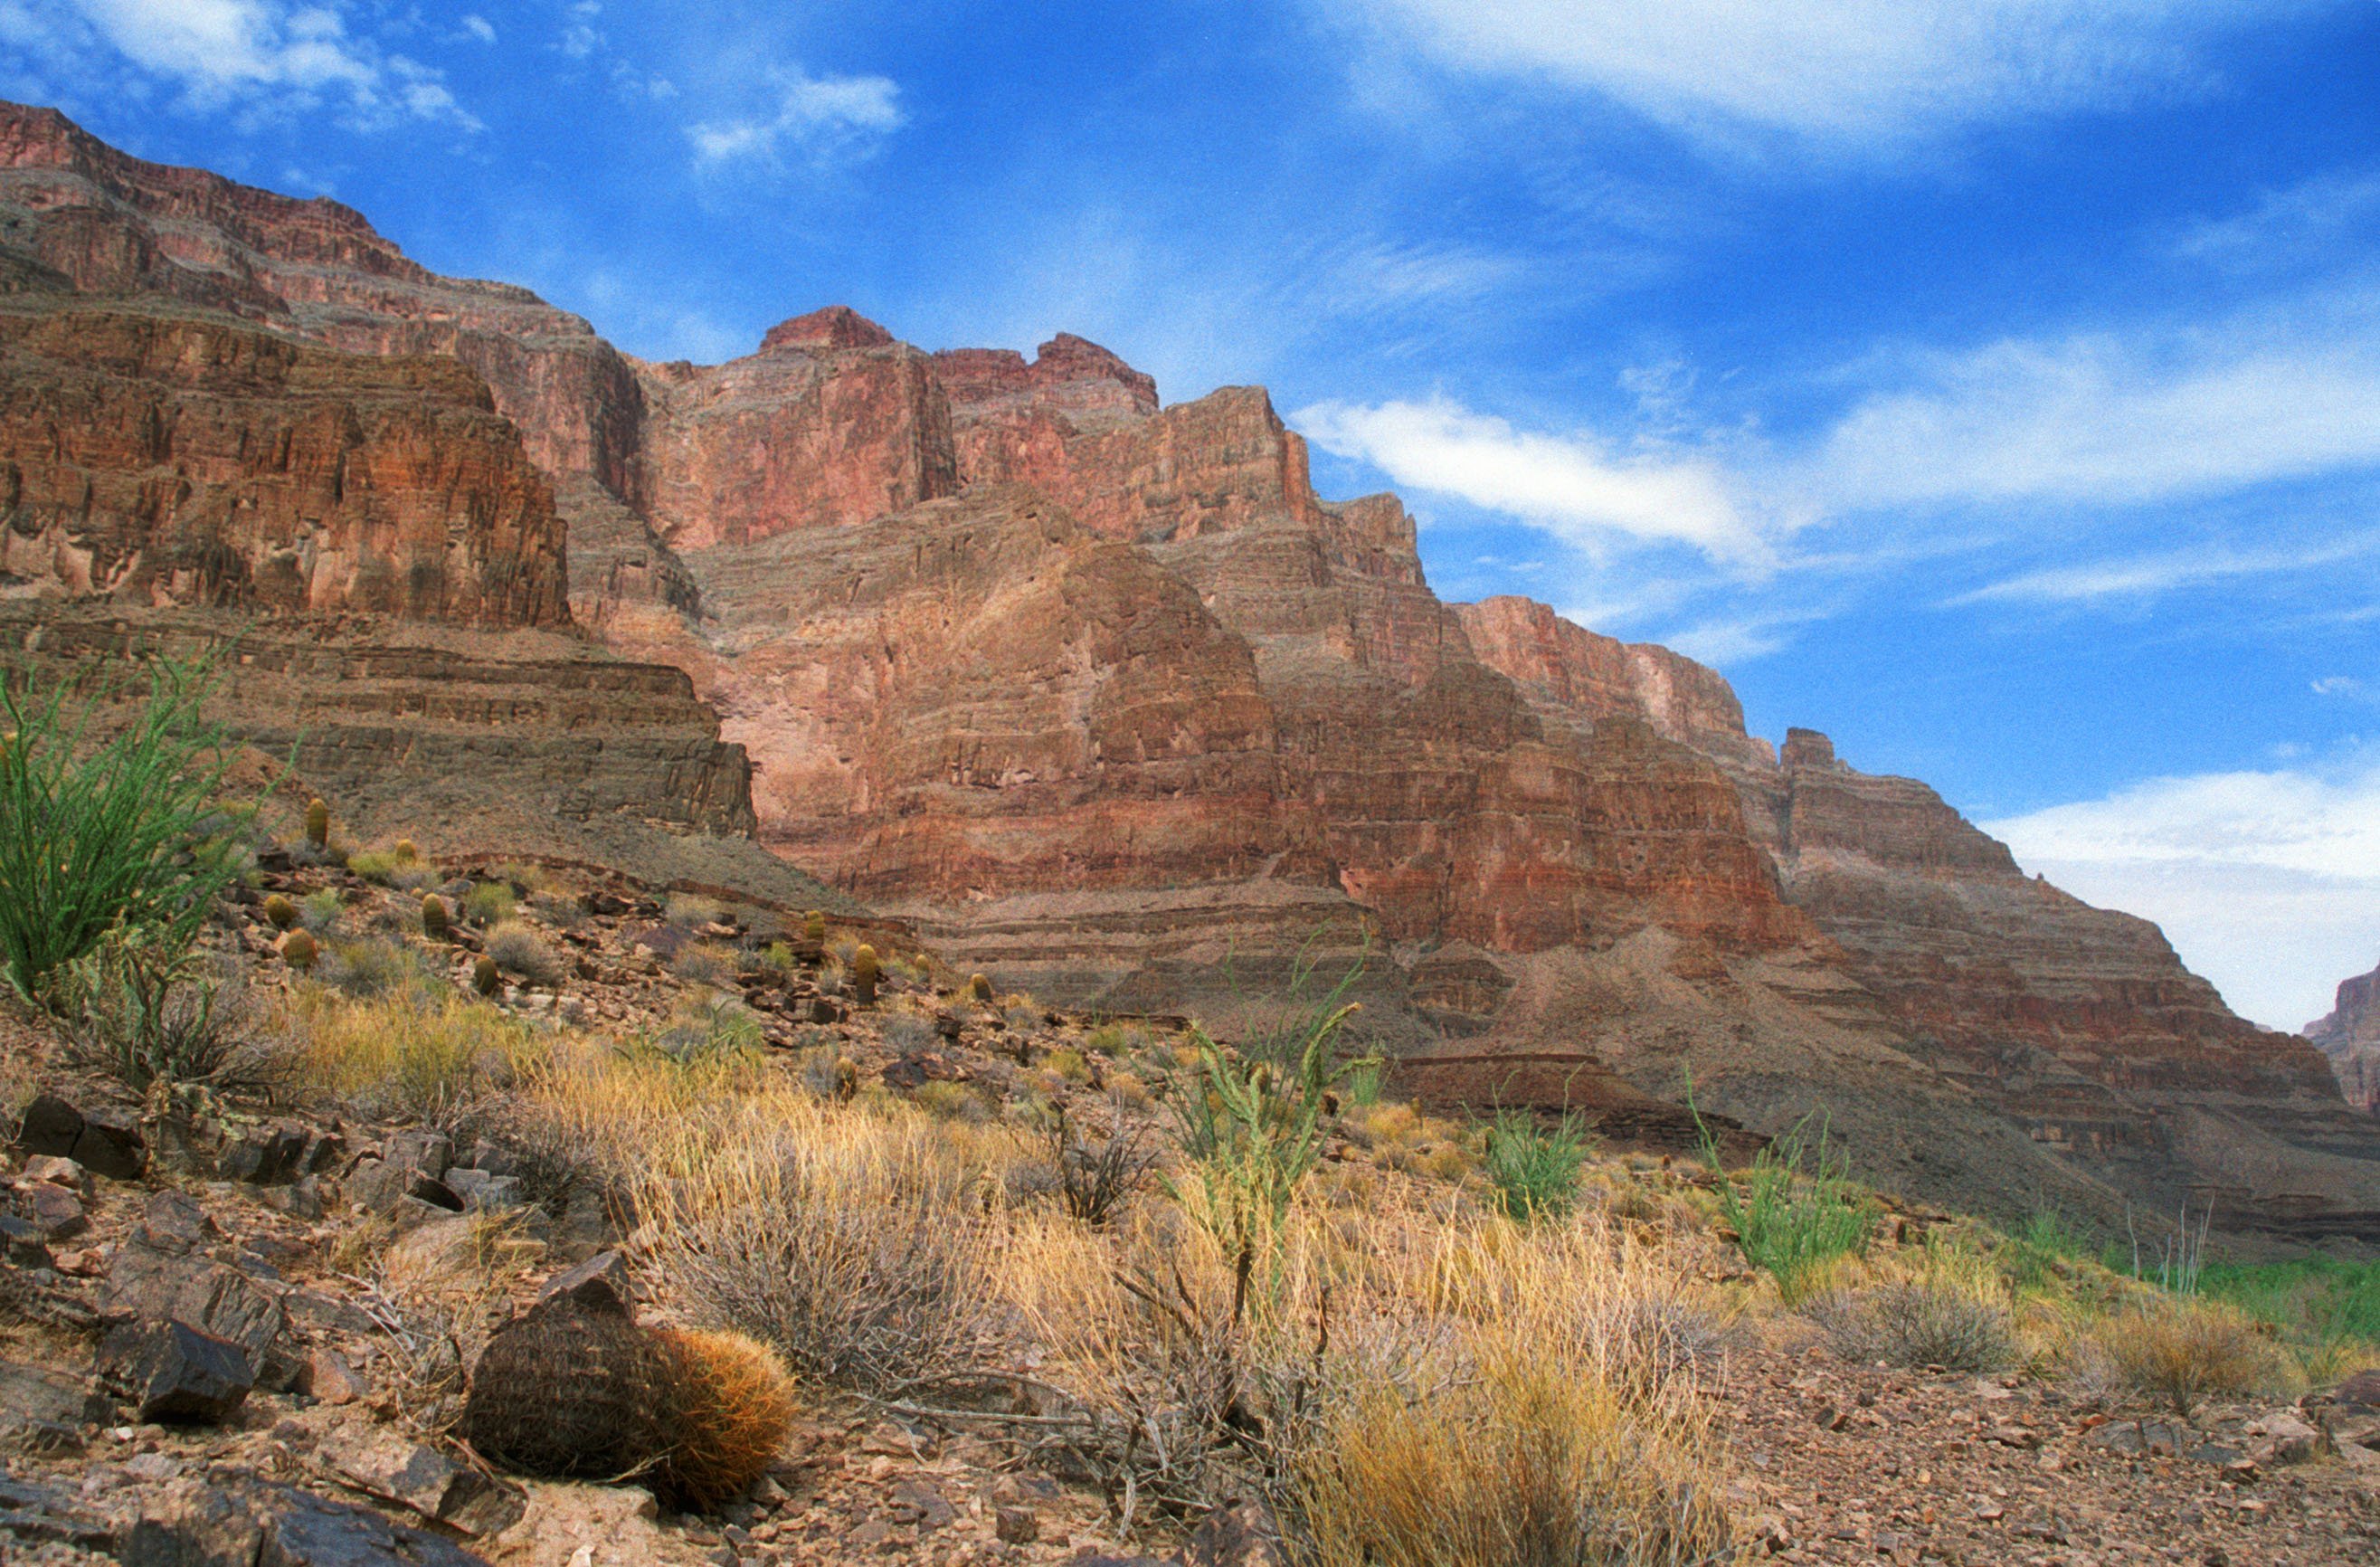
x=704 y=963
x=1093 y=1179
x=1116 y=1039
x=710 y=1026
x=144 y=1009
x=951 y=1101
x=777 y=958
x=97 y=832
x=691 y=908
x=907 y=1033
x=2185 y=1352
x=517 y=947
x=489 y=903
x=531 y=879
x=401 y=867
x=822 y=1069
x=730 y=1406
x=1795 y=1210
x=1023 y=1019
x=843 y=1240
x=2033 y=1255
x=1534 y=1169
x=320 y=911
x=1068 y=1064
x=365 y=969
x=1929 y=1320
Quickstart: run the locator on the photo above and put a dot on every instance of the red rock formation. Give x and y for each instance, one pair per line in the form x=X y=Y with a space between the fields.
x=2350 y=1036
x=830 y=424
x=162 y=459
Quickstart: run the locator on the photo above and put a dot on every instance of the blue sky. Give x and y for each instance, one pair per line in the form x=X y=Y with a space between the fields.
x=1995 y=385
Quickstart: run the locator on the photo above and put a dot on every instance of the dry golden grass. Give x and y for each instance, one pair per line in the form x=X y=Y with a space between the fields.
x=2186 y=1351
x=407 y=1055
x=732 y=1404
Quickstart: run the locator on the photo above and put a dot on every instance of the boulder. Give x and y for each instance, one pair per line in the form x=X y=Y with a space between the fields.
x=1243 y=1535
x=174 y=1223
x=50 y=1127
x=604 y=1274
x=212 y=1296
x=56 y=1211
x=22 y=1244
x=110 y=1144
x=172 y=1371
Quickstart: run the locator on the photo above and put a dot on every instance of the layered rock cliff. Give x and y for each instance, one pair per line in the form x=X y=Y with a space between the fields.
x=2350 y=1037
x=1101 y=693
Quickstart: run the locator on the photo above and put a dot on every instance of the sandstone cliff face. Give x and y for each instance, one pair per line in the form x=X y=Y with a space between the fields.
x=160 y=459
x=1103 y=696
x=2350 y=1036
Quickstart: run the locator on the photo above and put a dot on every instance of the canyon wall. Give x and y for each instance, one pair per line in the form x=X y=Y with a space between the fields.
x=2350 y=1037
x=1103 y=696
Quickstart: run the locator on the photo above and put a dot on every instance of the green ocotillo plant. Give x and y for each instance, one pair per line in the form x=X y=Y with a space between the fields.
x=105 y=820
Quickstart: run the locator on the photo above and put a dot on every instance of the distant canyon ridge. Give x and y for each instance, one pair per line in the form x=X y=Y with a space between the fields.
x=1093 y=690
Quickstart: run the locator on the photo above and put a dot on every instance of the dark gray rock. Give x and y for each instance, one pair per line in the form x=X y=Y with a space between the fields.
x=266 y=1156
x=494 y=1158
x=428 y=1153
x=212 y=1296
x=172 y=1371
x=172 y=1222
x=251 y=1523
x=380 y=1462
x=22 y=1244
x=36 y=1406
x=110 y=1144
x=50 y=1127
x=481 y=1189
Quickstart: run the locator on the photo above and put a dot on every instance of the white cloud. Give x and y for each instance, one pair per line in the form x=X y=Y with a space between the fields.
x=2285 y=223
x=2268 y=883
x=1849 y=74
x=263 y=53
x=1568 y=485
x=815 y=115
x=2144 y=576
x=2338 y=685
x=2097 y=418
x=480 y=28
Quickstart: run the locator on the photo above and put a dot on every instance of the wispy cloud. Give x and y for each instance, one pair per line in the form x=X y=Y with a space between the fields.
x=2284 y=224
x=820 y=117
x=2144 y=576
x=1852 y=74
x=258 y=55
x=1569 y=485
x=2268 y=883
x=2109 y=418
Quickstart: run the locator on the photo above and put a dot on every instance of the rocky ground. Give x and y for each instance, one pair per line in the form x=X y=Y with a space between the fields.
x=146 y=1239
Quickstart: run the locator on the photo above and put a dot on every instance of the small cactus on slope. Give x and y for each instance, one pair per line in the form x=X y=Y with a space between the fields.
x=298 y=950
x=814 y=926
x=279 y=912
x=485 y=976
x=318 y=822
x=864 y=975
x=435 y=922
x=980 y=988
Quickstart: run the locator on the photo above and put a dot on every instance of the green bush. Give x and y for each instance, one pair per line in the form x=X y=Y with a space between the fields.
x=1534 y=1169
x=489 y=903
x=517 y=947
x=1795 y=1209
x=1924 y=1321
x=2325 y=1308
x=99 y=828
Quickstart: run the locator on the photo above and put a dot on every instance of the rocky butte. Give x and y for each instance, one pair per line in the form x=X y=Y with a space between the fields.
x=2350 y=1036
x=1094 y=690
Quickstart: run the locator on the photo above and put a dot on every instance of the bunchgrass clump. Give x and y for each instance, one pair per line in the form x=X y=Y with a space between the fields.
x=145 y=1011
x=1533 y=1168
x=1795 y=1210
x=2184 y=1351
x=489 y=903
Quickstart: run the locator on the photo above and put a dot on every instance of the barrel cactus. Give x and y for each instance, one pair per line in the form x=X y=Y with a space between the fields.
x=318 y=822
x=980 y=988
x=279 y=912
x=486 y=977
x=814 y=926
x=864 y=975
x=298 y=950
x=435 y=922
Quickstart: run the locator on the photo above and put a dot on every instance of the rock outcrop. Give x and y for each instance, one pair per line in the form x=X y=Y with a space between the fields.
x=1101 y=695
x=2350 y=1037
